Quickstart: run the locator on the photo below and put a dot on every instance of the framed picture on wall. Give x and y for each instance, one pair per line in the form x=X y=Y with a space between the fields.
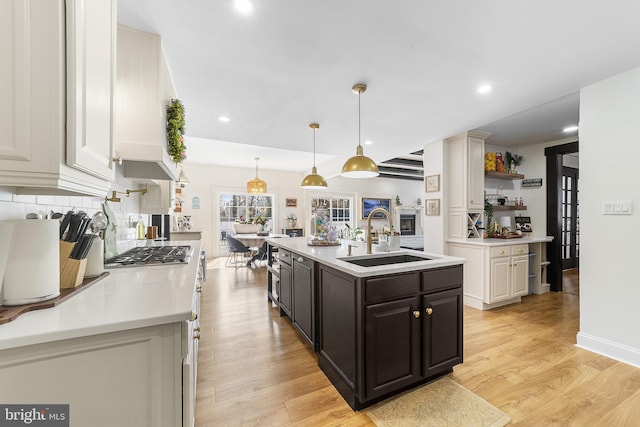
x=370 y=203
x=432 y=184
x=292 y=203
x=432 y=207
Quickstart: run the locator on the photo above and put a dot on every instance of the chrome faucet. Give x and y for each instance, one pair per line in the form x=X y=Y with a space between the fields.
x=373 y=211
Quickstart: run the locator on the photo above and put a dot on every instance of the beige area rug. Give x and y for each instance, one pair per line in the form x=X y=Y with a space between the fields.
x=440 y=403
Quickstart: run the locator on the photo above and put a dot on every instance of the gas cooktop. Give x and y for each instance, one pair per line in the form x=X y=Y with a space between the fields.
x=151 y=255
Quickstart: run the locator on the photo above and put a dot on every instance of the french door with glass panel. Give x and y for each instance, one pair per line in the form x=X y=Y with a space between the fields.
x=570 y=218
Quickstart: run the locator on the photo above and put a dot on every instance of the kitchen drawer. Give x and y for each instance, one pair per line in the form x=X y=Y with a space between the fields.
x=520 y=249
x=285 y=256
x=385 y=288
x=500 y=251
x=441 y=278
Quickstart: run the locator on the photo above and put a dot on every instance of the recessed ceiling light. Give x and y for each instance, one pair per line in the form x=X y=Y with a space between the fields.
x=570 y=129
x=243 y=6
x=368 y=142
x=224 y=119
x=485 y=88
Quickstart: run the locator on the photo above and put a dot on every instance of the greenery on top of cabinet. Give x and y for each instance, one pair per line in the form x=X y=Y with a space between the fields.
x=175 y=131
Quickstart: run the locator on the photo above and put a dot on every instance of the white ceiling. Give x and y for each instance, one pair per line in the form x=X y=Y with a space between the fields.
x=293 y=62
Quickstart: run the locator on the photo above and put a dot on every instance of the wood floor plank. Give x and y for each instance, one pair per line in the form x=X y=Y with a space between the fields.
x=254 y=369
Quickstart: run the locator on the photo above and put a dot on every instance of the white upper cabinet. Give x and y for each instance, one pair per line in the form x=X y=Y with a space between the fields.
x=57 y=126
x=143 y=91
x=91 y=43
x=465 y=171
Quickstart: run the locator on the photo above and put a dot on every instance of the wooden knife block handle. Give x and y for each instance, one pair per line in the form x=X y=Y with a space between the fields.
x=71 y=270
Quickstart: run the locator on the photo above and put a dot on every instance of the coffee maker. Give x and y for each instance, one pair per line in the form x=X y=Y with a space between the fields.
x=163 y=222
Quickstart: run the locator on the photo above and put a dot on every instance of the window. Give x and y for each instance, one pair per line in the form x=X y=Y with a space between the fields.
x=243 y=207
x=340 y=209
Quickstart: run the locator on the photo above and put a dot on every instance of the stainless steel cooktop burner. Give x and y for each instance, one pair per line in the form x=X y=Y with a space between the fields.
x=151 y=255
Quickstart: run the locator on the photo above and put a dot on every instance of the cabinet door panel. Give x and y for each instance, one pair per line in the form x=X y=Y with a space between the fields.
x=475 y=181
x=31 y=81
x=442 y=331
x=520 y=275
x=90 y=86
x=392 y=355
x=456 y=193
x=285 y=289
x=303 y=297
x=500 y=272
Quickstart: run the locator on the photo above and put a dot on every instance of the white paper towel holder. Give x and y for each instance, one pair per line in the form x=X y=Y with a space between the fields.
x=32 y=273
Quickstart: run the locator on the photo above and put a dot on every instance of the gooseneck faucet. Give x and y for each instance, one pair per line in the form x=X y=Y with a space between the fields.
x=373 y=211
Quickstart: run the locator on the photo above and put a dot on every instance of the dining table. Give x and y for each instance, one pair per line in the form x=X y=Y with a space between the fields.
x=255 y=240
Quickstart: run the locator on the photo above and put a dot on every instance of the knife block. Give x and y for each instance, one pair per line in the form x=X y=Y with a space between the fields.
x=71 y=270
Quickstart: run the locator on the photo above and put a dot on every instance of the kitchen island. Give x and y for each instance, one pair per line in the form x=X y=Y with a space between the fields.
x=378 y=329
x=127 y=342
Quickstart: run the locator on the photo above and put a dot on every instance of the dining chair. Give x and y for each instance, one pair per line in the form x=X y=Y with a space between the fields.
x=237 y=249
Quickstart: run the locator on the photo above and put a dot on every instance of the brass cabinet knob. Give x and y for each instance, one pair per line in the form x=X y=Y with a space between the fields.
x=521 y=250
x=429 y=311
x=501 y=251
x=300 y=259
x=196 y=336
x=416 y=314
x=196 y=329
x=194 y=316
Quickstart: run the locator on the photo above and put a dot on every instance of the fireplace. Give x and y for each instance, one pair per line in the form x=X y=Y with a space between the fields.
x=407 y=225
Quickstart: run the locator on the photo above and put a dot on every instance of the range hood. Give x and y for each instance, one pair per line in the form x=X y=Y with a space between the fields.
x=144 y=161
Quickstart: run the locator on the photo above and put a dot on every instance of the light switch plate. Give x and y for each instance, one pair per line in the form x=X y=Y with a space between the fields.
x=617 y=207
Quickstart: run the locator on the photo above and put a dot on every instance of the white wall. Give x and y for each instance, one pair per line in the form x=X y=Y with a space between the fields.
x=433 y=160
x=609 y=274
x=207 y=181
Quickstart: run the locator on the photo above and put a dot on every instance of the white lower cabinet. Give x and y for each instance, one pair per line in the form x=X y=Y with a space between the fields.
x=509 y=273
x=138 y=377
x=128 y=378
x=493 y=275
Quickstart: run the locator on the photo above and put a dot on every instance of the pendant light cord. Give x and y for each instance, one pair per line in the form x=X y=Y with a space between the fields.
x=314 y=147
x=257 y=158
x=359 y=93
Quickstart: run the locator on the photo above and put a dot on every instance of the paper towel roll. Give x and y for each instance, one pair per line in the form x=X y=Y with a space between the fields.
x=6 y=231
x=33 y=266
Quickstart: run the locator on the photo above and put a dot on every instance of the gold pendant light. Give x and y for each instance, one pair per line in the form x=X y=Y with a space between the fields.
x=359 y=166
x=313 y=181
x=256 y=185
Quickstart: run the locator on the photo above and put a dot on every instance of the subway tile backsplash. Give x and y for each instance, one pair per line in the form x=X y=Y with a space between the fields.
x=17 y=206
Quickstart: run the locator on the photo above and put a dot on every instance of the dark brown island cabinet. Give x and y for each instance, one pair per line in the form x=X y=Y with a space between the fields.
x=378 y=335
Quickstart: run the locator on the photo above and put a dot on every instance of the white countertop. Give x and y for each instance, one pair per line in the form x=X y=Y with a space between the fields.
x=502 y=242
x=128 y=298
x=329 y=255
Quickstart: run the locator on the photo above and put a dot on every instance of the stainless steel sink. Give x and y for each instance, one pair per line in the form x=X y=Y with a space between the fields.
x=376 y=260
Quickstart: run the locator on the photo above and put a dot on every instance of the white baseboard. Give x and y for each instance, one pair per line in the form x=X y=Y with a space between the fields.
x=478 y=304
x=619 y=352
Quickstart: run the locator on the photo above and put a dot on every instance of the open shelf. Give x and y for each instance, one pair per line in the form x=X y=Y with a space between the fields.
x=503 y=175
x=497 y=208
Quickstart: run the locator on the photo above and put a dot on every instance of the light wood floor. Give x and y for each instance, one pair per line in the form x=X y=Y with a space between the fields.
x=254 y=370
